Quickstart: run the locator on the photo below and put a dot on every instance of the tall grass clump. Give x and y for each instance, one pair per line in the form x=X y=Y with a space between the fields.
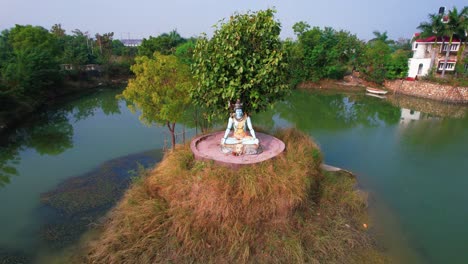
x=280 y=211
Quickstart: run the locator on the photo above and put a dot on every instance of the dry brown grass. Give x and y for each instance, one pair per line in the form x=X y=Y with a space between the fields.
x=281 y=211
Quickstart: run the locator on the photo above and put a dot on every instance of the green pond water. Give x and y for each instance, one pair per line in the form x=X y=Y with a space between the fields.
x=410 y=155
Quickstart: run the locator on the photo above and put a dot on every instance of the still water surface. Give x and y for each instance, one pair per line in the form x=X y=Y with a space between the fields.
x=410 y=155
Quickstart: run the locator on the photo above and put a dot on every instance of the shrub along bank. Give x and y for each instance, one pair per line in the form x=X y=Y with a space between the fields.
x=280 y=211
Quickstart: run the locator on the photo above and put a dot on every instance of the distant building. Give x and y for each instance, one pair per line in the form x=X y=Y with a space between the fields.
x=67 y=67
x=425 y=49
x=131 y=42
x=92 y=67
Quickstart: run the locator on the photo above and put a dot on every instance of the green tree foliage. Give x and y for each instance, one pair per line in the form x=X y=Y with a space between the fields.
x=300 y=28
x=118 y=48
x=453 y=24
x=402 y=44
x=321 y=53
x=384 y=59
x=294 y=57
x=373 y=63
x=159 y=90
x=397 y=65
x=434 y=27
x=381 y=37
x=456 y=25
x=57 y=30
x=164 y=44
x=29 y=66
x=121 y=60
x=243 y=60
x=6 y=52
x=77 y=50
x=185 y=51
x=104 y=47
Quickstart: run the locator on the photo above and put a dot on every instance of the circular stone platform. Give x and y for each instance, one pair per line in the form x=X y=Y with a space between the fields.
x=207 y=147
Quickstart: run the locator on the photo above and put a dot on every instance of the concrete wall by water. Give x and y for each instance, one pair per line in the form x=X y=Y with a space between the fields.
x=427 y=90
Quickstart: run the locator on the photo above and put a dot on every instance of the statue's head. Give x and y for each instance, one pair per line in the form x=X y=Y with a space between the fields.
x=238 y=109
x=239 y=113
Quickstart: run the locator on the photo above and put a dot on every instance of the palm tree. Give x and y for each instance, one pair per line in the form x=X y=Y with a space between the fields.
x=455 y=26
x=435 y=28
x=462 y=33
x=381 y=37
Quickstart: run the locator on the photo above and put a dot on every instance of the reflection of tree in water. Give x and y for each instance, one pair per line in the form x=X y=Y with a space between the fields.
x=52 y=136
x=50 y=133
x=372 y=111
x=9 y=158
x=88 y=106
x=335 y=112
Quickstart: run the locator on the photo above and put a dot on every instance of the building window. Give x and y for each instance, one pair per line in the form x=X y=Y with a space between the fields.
x=420 y=68
x=416 y=46
x=453 y=47
x=450 y=66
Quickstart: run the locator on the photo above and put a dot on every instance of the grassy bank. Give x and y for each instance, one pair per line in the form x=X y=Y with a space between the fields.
x=280 y=211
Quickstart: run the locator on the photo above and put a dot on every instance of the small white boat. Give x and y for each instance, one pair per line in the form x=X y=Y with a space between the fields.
x=376 y=91
x=376 y=95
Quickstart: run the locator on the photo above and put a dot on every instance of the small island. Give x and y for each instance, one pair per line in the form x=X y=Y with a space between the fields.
x=283 y=210
x=191 y=208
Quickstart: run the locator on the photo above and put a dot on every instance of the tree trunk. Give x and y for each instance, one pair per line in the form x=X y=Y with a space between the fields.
x=196 y=121
x=183 y=134
x=460 y=57
x=431 y=66
x=172 y=130
x=446 y=55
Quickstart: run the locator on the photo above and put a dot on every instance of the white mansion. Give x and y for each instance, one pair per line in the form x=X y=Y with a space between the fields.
x=430 y=50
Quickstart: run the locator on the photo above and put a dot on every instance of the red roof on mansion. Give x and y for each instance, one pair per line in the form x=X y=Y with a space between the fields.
x=439 y=39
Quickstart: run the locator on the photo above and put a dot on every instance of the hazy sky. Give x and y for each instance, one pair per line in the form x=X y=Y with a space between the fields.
x=142 y=18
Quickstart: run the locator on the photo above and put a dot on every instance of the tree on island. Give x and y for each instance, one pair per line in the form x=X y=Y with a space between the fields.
x=243 y=60
x=159 y=90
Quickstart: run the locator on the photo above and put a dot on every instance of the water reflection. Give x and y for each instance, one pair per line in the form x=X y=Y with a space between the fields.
x=48 y=134
x=52 y=135
x=88 y=106
x=410 y=153
x=399 y=149
x=335 y=112
x=429 y=124
x=431 y=132
x=51 y=132
x=432 y=108
x=9 y=157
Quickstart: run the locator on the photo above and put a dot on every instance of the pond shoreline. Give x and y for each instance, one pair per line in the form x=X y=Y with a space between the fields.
x=420 y=89
x=427 y=90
